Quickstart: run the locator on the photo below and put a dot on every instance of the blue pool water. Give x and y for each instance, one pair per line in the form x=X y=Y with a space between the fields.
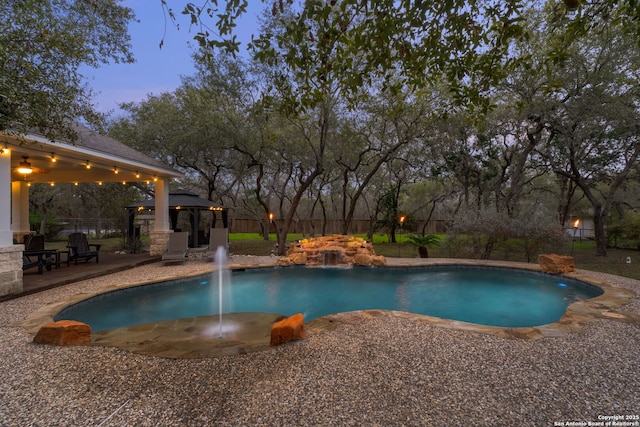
x=489 y=296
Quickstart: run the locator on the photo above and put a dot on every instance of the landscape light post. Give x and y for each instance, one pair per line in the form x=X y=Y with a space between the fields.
x=576 y=224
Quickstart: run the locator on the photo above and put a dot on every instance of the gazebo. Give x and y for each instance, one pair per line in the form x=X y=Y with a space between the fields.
x=184 y=202
x=33 y=158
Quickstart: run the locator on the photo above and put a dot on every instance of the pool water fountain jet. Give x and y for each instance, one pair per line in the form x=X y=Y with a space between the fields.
x=221 y=266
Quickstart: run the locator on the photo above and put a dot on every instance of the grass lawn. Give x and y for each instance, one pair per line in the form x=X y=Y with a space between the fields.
x=254 y=244
x=583 y=252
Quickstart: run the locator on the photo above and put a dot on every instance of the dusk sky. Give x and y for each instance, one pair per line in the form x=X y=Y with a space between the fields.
x=155 y=70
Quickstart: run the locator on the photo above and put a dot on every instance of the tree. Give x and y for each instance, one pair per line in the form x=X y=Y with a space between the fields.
x=42 y=46
x=381 y=128
x=583 y=118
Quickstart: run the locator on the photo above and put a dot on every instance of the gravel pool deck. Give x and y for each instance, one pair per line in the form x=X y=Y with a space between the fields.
x=368 y=370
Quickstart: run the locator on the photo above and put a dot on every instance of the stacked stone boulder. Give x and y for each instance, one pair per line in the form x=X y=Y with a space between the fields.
x=64 y=332
x=556 y=264
x=345 y=250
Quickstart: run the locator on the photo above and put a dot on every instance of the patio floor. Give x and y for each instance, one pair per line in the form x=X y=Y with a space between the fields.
x=109 y=263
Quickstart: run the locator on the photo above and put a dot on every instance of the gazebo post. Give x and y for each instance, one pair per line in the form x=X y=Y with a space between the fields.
x=131 y=214
x=225 y=218
x=195 y=226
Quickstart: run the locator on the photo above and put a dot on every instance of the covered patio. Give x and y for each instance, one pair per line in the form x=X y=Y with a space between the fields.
x=32 y=158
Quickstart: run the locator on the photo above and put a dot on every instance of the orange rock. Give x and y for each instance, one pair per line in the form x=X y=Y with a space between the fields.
x=379 y=261
x=556 y=264
x=64 y=332
x=291 y=328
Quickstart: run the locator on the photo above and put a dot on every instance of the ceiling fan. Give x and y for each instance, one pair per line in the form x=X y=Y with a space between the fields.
x=25 y=168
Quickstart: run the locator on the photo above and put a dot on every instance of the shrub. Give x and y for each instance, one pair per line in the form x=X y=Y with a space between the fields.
x=479 y=234
x=423 y=242
x=624 y=232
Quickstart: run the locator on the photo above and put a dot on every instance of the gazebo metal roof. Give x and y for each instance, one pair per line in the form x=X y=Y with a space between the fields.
x=182 y=199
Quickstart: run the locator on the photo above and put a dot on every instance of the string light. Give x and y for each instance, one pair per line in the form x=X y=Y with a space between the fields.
x=53 y=157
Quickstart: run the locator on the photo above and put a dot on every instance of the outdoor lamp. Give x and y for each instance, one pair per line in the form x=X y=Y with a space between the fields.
x=25 y=167
x=576 y=224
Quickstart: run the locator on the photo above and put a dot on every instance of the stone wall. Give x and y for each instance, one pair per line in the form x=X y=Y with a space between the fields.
x=11 y=269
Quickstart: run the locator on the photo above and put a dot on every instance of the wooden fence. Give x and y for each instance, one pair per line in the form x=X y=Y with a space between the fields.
x=316 y=227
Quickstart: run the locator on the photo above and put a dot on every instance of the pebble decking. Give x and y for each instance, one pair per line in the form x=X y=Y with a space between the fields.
x=366 y=370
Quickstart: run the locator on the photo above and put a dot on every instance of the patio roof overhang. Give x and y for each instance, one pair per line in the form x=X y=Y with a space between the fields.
x=62 y=161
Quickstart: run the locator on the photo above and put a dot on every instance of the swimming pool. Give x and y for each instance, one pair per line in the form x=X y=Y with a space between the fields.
x=484 y=295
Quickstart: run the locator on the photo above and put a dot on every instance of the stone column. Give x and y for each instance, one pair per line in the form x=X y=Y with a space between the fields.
x=11 y=269
x=159 y=242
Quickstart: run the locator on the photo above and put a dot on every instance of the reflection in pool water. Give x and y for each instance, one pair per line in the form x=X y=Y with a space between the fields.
x=484 y=295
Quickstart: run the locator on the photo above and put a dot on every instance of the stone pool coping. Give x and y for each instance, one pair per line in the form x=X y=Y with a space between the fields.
x=196 y=338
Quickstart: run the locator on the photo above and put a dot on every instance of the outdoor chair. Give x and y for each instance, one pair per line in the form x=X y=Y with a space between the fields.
x=177 y=248
x=217 y=237
x=33 y=242
x=81 y=249
x=40 y=260
x=35 y=255
x=27 y=263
